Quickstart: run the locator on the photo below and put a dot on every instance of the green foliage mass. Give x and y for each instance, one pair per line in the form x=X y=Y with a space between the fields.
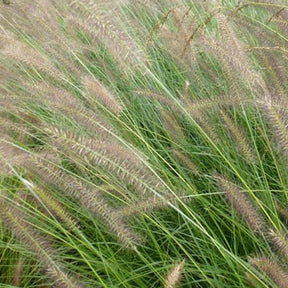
x=143 y=144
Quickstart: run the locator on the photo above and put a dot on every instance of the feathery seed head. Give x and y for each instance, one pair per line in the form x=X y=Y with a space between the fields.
x=271 y=269
x=174 y=276
x=280 y=242
x=102 y=94
x=239 y=137
x=242 y=204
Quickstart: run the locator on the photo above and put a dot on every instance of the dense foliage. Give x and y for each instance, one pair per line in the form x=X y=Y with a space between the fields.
x=143 y=143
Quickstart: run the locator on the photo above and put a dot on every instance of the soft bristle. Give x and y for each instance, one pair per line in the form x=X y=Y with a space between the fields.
x=90 y=198
x=239 y=137
x=37 y=244
x=100 y=92
x=280 y=241
x=174 y=276
x=272 y=269
x=242 y=204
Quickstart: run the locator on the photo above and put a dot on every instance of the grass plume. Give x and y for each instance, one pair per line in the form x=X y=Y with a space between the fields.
x=271 y=269
x=174 y=276
x=38 y=245
x=241 y=203
x=118 y=114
